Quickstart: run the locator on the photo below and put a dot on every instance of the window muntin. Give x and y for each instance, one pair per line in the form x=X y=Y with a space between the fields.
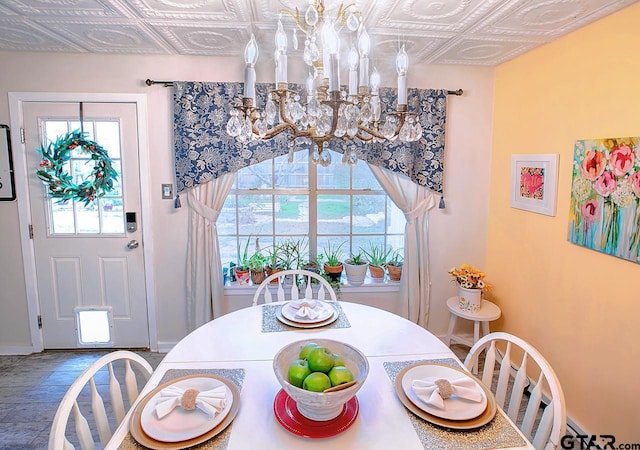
x=276 y=201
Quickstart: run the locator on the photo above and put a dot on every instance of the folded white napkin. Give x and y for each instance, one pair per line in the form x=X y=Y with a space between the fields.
x=211 y=402
x=431 y=391
x=306 y=308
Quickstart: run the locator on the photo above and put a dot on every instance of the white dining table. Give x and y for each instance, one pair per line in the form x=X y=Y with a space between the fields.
x=238 y=340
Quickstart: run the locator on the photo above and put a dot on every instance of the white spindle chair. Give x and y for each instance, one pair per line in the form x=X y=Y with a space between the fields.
x=58 y=437
x=324 y=288
x=522 y=365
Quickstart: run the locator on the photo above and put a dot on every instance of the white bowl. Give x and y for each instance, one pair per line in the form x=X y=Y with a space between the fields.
x=321 y=406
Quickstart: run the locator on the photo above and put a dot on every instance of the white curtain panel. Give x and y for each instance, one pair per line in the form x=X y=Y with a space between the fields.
x=205 y=283
x=414 y=201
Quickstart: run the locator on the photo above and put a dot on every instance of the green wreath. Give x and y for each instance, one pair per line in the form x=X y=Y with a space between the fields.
x=60 y=184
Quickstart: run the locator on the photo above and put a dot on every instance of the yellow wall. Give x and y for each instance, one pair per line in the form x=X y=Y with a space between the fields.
x=579 y=307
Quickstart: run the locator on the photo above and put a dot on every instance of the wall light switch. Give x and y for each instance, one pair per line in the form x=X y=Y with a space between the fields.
x=167 y=191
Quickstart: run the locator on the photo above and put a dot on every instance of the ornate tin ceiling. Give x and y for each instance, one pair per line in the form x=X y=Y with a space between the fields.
x=478 y=32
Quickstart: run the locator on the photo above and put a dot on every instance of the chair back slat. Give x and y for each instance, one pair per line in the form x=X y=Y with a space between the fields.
x=82 y=430
x=546 y=432
x=99 y=413
x=293 y=290
x=85 y=386
x=519 y=384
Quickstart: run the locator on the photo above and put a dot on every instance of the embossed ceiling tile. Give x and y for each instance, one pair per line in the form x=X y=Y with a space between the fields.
x=99 y=36
x=65 y=8
x=550 y=18
x=485 y=51
x=195 y=39
x=441 y=15
x=20 y=35
x=269 y=10
x=216 y=10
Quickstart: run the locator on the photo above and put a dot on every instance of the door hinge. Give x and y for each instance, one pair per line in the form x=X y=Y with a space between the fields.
x=39 y=321
x=22 y=138
x=30 y=231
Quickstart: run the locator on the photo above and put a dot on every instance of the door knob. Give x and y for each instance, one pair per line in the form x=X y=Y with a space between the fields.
x=133 y=244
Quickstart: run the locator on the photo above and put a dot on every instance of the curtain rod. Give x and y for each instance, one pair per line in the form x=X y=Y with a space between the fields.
x=150 y=82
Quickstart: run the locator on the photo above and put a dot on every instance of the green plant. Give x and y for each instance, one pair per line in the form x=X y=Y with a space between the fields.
x=332 y=256
x=376 y=254
x=273 y=258
x=357 y=259
x=257 y=261
x=396 y=258
x=243 y=260
x=292 y=253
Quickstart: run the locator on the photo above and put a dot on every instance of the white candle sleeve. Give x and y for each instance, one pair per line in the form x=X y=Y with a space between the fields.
x=402 y=90
x=364 y=71
x=334 y=75
x=250 y=83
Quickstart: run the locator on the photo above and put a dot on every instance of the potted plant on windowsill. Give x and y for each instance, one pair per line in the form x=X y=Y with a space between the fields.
x=273 y=262
x=242 y=269
x=471 y=284
x=332 y=260
x=377 y=257
x=394 y=266
x=257 y=263
x=356 y=269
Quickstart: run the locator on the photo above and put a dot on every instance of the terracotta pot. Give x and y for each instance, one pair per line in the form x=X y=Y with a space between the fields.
x=271 y=271
x=257 y=277
x=377 y=273
x=335 y=272
x=395 y=272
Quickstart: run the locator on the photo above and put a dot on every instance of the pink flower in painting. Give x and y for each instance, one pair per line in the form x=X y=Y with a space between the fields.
x=590 y=211
x=621 y=159
x=606 y=184
x=593 y=165
x=634 y=179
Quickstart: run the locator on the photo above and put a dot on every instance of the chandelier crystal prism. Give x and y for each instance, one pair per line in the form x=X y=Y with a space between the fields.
x=324 y=110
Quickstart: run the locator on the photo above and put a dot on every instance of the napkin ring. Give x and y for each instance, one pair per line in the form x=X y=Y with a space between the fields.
x=188 y=401
x=444 y=388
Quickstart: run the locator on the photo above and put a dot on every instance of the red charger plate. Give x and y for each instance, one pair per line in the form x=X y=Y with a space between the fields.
x=291 y=420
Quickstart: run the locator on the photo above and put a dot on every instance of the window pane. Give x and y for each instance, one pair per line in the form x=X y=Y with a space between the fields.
x=294 y=175
x=363 y=178
x=54 y=128
x=292 y=214
x=334 y=213
x=112 y=215
x=227 y=219
x=108 y=135
x=257 y=176
x=88 y=220
x=117 y=184
x=368 y=214
x=255 y=214
x=336 y=176
x=396 y=220
x=228 y=249
x=61 y=217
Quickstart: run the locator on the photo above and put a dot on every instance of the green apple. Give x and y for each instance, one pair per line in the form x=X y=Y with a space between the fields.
x=316 y=382
x=306 y=349
x=320 y=359
x=340 y=375
x=337 y=360
x=298 y=371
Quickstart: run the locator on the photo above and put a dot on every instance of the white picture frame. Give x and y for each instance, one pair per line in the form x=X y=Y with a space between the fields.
x=534 y=181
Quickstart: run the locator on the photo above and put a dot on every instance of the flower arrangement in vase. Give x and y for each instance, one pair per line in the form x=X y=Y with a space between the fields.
x=471 y=284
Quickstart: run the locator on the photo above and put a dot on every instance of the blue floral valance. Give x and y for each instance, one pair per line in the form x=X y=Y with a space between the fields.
x=204 y=150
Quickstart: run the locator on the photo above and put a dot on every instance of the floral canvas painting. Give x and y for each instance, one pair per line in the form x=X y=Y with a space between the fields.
x=605 y=196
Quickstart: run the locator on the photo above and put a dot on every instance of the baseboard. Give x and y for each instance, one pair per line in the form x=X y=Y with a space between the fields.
x=20 y=350
x=164 y=347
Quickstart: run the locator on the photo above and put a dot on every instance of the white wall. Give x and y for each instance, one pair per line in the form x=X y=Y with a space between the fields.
x=458 y=233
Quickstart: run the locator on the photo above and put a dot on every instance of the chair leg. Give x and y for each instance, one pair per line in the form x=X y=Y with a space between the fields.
x=476 y=331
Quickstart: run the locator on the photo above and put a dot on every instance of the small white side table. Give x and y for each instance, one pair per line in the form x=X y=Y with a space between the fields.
x=488 y=312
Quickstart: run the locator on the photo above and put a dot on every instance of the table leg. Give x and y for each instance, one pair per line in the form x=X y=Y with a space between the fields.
x=485 y=328
x=476 y=331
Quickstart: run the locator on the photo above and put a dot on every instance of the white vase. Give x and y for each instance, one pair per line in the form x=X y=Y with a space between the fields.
x=470 y=300
x=355 y=273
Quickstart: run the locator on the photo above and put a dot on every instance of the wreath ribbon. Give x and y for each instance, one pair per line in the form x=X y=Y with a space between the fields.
x=60 y=183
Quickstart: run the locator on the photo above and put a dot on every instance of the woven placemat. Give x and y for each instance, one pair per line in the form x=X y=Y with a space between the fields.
x=270 y=322
x=499 y=433
x=218 y=442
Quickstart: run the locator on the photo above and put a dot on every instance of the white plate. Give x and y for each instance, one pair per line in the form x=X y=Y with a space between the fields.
x=455 y=408
x=321 y=308
x=295 y=324
x=179 y=424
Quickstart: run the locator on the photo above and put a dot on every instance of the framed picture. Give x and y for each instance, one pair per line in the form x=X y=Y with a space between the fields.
x=7 y=184
x=534 y=179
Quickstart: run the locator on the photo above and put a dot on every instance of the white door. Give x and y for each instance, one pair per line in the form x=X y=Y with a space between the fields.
x=89 y=262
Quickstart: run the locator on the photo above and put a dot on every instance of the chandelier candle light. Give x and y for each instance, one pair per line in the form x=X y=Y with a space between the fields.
x=328 y=112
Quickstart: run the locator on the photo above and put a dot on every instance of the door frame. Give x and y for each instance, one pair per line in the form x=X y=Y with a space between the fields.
x=16 y=101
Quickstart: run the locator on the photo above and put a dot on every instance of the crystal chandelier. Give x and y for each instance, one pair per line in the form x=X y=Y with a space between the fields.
x=324 y=111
